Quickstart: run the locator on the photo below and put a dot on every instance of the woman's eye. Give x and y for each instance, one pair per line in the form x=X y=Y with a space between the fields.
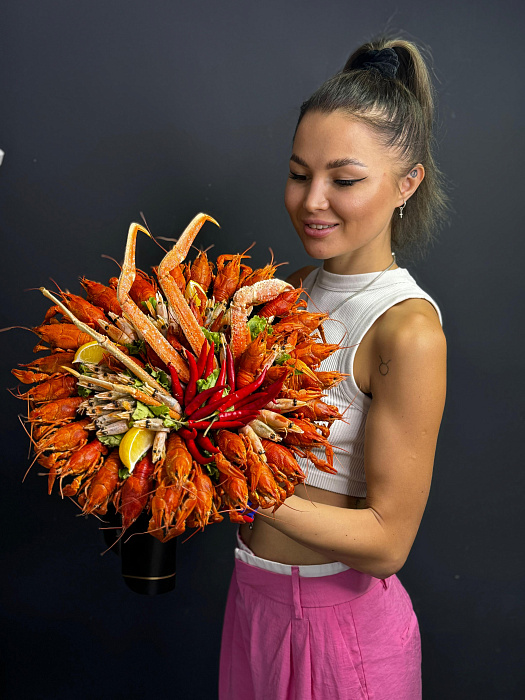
x=345 y=183
x=295 y=176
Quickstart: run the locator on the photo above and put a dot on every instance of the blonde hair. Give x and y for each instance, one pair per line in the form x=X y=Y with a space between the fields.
x=400 y=111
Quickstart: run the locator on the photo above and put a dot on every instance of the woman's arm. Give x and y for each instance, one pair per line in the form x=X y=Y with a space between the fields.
x=400 y=440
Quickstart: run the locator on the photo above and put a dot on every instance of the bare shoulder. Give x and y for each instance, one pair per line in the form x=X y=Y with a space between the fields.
x=407 y=344
x=296 y=278
x=409 y=326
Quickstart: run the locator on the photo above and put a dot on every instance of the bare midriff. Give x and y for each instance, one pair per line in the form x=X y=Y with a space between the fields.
x=268 y=543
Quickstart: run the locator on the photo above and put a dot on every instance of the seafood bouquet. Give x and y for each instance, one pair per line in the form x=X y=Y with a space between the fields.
x=187 y=394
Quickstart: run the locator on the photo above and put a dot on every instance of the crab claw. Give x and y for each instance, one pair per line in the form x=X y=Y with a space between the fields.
x=176 y=301
x=143 y=323
x=244 y=298
x=182 y=247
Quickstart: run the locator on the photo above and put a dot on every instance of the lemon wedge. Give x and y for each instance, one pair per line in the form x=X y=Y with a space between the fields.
x=89 y=352
x=191 y=292
x=134 y=445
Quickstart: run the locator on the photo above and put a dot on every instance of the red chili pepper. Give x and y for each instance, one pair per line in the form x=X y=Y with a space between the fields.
x=196 y=454
x=210 y=408
x=275 y=389
x=190 y=434
x=230 y=364
x=203 y=424
x=202 y=397
x=191 y=387
x=206 y=444
x=245 y=391
x=262 y=398
x=176 y=389
x=231 y=399
x=201 y=362
x=210 y=361
x=238 y=415
x=222 y=374
x=258 y=400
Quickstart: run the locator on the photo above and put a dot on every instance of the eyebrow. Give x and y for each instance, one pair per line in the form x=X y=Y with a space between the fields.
x=338 y=163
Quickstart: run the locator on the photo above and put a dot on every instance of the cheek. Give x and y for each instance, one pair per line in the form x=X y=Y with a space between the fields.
x=292 y=197
x=365 y=206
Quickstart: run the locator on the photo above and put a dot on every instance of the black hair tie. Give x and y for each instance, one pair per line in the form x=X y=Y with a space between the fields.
x=386 y=61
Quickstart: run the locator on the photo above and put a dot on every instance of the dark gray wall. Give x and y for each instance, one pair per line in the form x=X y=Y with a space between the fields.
x=113 y=108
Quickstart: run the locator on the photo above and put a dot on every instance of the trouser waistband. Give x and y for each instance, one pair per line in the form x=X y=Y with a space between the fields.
x=303 y=592
x=244 y=553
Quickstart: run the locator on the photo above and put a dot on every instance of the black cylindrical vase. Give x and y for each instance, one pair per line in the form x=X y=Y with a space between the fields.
x=148 y=566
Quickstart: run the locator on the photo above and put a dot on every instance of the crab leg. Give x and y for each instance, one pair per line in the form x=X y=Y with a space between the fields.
x=106 y=343
x=240 y=308
x=141 y=322
x=177 y=303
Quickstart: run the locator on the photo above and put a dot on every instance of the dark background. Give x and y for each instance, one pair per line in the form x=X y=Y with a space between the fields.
x=112 y=108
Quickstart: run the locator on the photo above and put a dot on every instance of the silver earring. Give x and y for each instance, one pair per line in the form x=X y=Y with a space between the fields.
x=401 y=210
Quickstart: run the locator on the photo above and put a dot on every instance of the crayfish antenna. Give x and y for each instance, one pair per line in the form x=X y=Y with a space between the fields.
x=115 y=542
x=10 y=328
x=29 y=468
x=32 y=425
x=350 y=404
x=29 y=434
x=56 y=285
x=108 y=257
x=196 y=530
x=308 y=497
x=152 y=236
x=297 y=510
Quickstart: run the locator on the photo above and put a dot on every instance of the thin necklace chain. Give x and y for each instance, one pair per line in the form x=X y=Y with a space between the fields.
x=366 y=286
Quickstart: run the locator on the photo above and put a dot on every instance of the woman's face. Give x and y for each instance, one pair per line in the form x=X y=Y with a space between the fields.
x=341 y=193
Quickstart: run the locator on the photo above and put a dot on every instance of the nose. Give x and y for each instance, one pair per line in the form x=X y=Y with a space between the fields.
x=315 y=197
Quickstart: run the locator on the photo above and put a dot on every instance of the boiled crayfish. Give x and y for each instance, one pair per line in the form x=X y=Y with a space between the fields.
x=226 y=393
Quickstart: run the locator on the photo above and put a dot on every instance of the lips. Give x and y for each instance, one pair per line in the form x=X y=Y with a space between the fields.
x=316 y=228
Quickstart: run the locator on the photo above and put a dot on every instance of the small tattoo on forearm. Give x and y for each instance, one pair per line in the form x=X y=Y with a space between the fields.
x=383 y=366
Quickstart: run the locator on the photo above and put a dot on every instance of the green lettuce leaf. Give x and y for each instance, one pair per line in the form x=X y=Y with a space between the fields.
x=209 y=382
x=160 y=376
x=170 y=423
x=281 y=359
x=111 y=440
x=159 y=410
x=142 y=411
x=137 y=347
x=212 y=336
x=256 y=325
x=152 y=301
x=213 y=472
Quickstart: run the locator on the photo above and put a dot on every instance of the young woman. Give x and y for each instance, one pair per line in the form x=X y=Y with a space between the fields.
x=315 y=608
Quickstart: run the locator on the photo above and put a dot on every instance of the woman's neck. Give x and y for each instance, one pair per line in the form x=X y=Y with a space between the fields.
x=358 y=265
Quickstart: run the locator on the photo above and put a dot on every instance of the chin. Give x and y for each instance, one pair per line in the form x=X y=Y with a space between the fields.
x=319 y=250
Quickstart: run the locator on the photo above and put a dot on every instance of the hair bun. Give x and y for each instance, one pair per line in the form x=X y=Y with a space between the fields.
x=386 y=61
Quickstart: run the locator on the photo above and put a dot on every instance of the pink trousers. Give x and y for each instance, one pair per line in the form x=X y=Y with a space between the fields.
x=342 y=636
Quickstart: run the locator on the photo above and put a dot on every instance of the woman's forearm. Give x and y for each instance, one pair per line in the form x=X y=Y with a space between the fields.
x=355 y=537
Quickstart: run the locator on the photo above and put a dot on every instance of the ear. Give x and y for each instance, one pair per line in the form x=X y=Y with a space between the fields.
x=409 y=183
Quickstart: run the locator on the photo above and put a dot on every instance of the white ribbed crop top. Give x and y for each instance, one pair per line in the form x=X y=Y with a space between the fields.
x=353 y=320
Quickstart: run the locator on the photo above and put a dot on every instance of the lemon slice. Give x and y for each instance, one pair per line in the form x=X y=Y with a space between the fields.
x=134 y=445
x=89 y=352
x=191 y=292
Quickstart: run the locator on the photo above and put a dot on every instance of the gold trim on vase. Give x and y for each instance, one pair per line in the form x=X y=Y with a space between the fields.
x=150 y=578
